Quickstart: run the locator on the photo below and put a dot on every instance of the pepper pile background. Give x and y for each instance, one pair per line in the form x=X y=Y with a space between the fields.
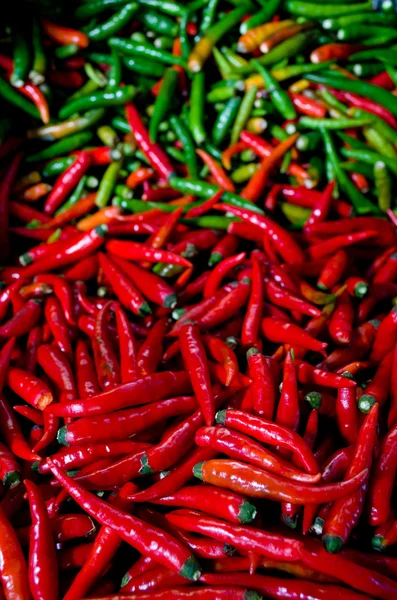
x=198 y=360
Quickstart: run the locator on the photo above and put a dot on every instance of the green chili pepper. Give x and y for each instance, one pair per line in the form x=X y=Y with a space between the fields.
x=235 y=60
x=225 y=120
x=189 y=151
x=213 y=150
x=163 y=101
x=290 y=47
x=196 y=108
x=123 y=191
x=244 y=113
x=282 y=73
x=392 y=74
x=210 y=221
x=366 y=70
x=322 y=11
x=114 y=24
x=163 y=42
x=167 y=271
x=225 y=68
x=379 y=143
x=362 y=88
x=358 y=167
x=175 y=153
x=115 y=72
x=183 y=37
x=387 y=55
x=121 y=124
x=145 y=50
x=95 y=8
x=88 y=87
x=165 y=6
x=359 y=31
x=204 y=46
x=22 y=55
x=360 y=203
x=63 y=146
x=224 y=92
x=159 y=23
x=244 y=172
x=12 y=96
x=57 y=166
x=278 y=132
x=69 y=127
x=143 y=66
x=280 y=98
x=205 y=190
x=74 y=197
x=342 y=123
x=37 y=74
x=369 y=157
x=209 y=14
x=95 y=75
x=378 y=18
x=99 y=99
x=308 y=141
x=107 y=184
x=383 y=185
x=351 y=141
x=295 y=214
x=330 y=99
x=264 y=15
x=66 y=51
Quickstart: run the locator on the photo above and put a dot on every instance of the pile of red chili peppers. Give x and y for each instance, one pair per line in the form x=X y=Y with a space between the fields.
x=198 y=321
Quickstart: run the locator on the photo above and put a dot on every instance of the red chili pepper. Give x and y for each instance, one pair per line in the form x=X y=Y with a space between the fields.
x=56 y=320
x=345 y=513
x=222 y=353
x=368 y=105
x=22 y=322
x=282 y=240
x=7 y=181
x=322 y=208
x=56 y=366
x=339 y=241
x=257 y=183
x=244 y=538
x=137 y=177
x=223 y=249
x=64 y=35
x=282 y=332
x=9 y=468
x=42 y=556
x=286 y=299
x=381 y=485
x=69 y=251
x=151 y=351
x=152 y=286
x=134 y=251
x=13 y=572
x=301 y=196
x=125 y=290
x=308 y=106
x=128 y=347
x=157 y=158
x=252 y=318
x=34 y=93
x=238 y=446
x=86 y=377
x=270 y=433
x=220 y=271
x=195 y=361
x=342 y=227
x=386 y=336
x=203 y=208
x=288 y=413
x=81 y=208
x=102 y=551
x=340 y=325
x=64 y=528
x=357 y=287
x=29 y=388
x=263 y=387
x=106 y=362
x=66 y=182
x=224 y=307
x=147 y=390
x=377 y=293
x=147 y=539
x=379 y=387
x=216 y=171
x=362 y=341
x=353 y=574
x=388 y=271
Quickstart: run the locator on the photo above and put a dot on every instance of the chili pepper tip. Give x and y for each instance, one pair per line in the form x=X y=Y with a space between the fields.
x=366 y=402
x=247 y=512
x=61 y=436
x=220 y=417
x=190 y=569
x=332 y=543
